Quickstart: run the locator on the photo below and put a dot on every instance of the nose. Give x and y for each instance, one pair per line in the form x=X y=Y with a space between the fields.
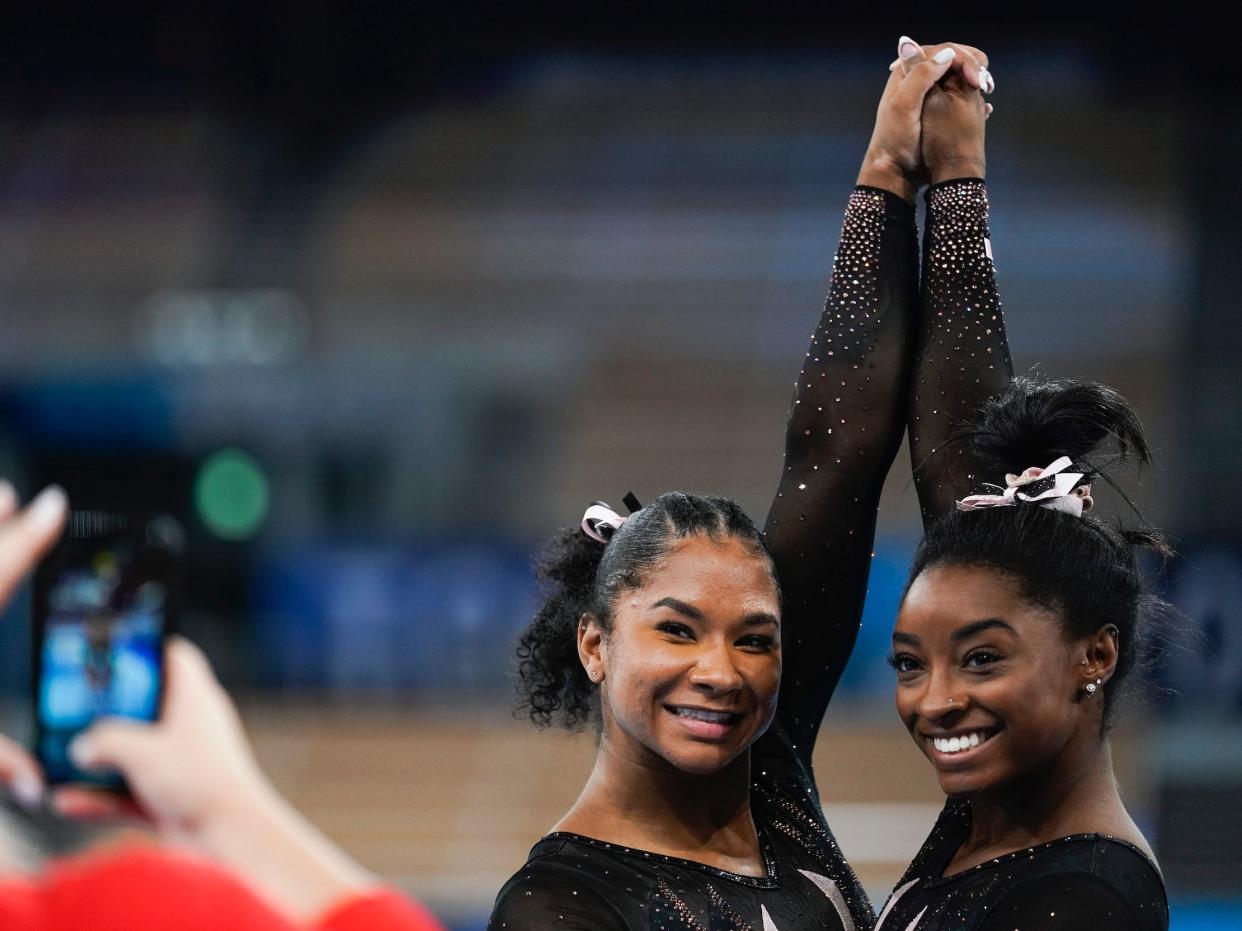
x=714 y=669
x=942 y=700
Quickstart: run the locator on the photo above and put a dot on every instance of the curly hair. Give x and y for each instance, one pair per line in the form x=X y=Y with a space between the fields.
x=580 y=576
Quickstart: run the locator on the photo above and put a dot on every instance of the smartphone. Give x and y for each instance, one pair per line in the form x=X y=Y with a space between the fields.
x=105 y=599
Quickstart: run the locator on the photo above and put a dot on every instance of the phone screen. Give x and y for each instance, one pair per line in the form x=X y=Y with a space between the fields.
x=103 y=606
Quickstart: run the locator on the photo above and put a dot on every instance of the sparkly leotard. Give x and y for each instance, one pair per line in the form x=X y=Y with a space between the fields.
x=846 y=424
x=1086 y=882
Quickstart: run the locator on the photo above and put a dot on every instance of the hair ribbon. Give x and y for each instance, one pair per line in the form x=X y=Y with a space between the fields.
x=1050 y=487
x=600 y=521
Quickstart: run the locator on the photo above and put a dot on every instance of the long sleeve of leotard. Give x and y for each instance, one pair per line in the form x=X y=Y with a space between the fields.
x=962 y=358
x=846 y=424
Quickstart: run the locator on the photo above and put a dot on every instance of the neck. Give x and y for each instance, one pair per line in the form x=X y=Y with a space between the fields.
x=1077 y=795
x=643 y=801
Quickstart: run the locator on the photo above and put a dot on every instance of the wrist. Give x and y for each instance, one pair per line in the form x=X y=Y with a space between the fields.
x=881 y=171
x=958 y=166
x=283 y=857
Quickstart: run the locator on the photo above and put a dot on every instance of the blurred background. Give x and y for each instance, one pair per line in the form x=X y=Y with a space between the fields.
x=373 y=302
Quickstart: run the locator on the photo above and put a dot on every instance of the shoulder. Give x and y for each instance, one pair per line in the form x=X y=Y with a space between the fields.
x=1094 y=883
x=557 y=887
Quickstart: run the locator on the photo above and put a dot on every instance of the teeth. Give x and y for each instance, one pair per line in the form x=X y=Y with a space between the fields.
x=958 y=744
x=713 y=717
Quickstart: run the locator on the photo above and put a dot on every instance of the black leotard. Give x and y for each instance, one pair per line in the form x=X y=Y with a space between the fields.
x=1085 y=882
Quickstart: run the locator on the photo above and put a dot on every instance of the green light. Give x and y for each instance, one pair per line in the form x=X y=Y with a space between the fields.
x=231 y=494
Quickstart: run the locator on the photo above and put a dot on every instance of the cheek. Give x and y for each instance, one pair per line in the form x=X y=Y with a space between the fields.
x=1031 y=701
x=637 y=676
x=764 y=679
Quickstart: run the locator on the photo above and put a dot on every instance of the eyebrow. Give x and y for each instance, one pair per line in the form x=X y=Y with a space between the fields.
x=759 y=618
x=964 y=632
x=988 y=623
x=680 y=607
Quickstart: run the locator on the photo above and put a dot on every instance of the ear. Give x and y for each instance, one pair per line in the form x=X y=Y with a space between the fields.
x=591 y=647
x=1100 y=654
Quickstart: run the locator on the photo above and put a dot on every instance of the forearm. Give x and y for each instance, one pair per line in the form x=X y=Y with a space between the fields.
x=963 y=354
x=282 y=856
x=844 y=428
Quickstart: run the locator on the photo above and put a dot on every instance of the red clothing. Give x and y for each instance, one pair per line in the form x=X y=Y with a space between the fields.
x=151 y=889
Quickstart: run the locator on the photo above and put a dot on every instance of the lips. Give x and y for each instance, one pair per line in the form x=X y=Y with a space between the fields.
x=705 y=723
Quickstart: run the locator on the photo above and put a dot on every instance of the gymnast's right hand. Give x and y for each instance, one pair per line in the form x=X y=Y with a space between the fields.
x=894 y=161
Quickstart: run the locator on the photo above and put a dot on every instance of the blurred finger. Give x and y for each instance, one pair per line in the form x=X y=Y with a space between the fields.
x=114 y=743
x=20 y=771
x=989 y=111
x=27 y=537
x=87 y=804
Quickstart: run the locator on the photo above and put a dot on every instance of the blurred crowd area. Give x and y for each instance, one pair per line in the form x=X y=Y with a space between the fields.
x=371 y=349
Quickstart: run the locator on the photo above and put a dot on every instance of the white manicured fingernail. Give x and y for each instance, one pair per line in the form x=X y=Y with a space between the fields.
x=991 y=83
x=944 y=56
x=27 y=790
x=907 y=47
x=48 y=509
x=893 y=66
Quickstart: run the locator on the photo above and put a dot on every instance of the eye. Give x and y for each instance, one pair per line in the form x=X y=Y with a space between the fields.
x=903 y=662
x=979 y=659
x=757 y=642
x=675 y=629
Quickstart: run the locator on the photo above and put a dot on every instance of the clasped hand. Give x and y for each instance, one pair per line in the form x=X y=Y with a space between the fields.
x=930 y=122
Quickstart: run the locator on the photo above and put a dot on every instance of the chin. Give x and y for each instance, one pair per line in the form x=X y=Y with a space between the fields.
x=703 y=760
x=967 y=784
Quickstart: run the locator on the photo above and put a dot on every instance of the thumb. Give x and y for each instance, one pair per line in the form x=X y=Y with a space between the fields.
x=909 y=54
x=115 y=743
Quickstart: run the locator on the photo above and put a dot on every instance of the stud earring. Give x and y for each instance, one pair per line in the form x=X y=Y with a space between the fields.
x=1093 y=686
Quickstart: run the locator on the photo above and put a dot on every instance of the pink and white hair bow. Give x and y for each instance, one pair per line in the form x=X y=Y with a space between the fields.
x=1050 y=487
x=600 y=521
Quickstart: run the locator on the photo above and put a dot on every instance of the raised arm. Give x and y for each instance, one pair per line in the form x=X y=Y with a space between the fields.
x=963 y=357
x=848 y=415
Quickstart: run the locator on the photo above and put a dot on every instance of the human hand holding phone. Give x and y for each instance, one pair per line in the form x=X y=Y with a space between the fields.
x=191 y=773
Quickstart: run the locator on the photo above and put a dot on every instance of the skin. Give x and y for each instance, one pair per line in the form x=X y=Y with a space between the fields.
x=702 y=632
x=974 y=656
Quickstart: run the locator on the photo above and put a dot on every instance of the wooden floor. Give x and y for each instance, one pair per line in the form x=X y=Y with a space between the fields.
x=447 y=803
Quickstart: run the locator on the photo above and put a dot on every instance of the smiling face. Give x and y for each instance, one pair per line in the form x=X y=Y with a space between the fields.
x=989 y=684
x=691 y=667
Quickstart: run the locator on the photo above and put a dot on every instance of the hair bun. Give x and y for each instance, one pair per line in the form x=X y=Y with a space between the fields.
x=1035 y=422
